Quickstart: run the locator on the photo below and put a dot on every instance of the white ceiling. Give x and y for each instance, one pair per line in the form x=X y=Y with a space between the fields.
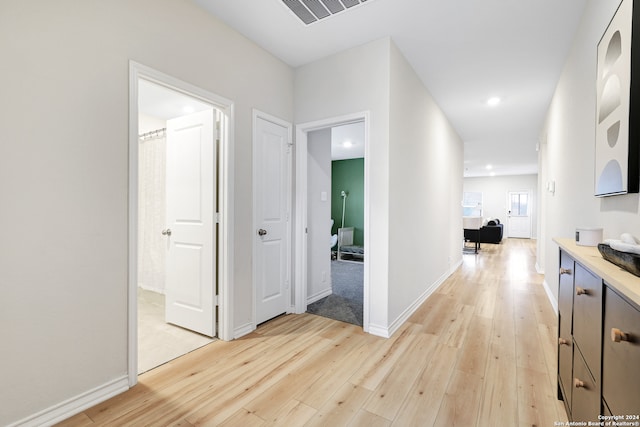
x=163 y=103
x=465 y=51
x=347 y=141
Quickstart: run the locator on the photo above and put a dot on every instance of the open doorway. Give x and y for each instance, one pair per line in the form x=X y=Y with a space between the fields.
x=179 y=252
x=163 y=115
x=334 y=210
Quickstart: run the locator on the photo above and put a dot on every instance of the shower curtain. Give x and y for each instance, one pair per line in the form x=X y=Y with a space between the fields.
x=151 y=211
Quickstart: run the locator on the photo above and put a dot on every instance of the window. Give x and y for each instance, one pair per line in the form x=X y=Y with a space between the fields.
x=471 y=204
x=519 y=205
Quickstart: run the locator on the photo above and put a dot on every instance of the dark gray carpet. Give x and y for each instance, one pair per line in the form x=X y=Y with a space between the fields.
x=345 y=304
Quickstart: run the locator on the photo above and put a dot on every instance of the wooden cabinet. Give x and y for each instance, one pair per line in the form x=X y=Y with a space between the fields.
x=585 y=399
x=579 y=339
x=565 y=338
x=598 y=336
x=621 y=355
x=587 y=318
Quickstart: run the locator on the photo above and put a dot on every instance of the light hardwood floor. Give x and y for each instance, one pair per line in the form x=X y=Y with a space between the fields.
x=479 y=352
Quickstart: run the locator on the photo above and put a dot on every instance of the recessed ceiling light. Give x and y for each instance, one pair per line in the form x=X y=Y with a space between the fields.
x=489 y=167
x=493 y=101
x=347 y=144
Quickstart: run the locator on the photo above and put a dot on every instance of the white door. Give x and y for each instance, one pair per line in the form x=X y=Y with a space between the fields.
x=272 y=207
x=519 y=218
x=191 y=217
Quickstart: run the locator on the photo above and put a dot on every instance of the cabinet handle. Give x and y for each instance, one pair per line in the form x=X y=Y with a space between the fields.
x=617 y=335
x=562 y=341
x=578 y=384
x=581 y=291
x=565 y=270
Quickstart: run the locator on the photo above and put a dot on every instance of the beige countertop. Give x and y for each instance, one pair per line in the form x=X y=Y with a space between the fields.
x=617 y=278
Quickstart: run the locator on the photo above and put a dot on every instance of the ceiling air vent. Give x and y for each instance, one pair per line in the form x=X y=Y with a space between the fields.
x=310 y=11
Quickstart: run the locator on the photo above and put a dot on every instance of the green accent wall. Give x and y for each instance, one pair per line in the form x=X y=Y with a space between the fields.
x=348 y=175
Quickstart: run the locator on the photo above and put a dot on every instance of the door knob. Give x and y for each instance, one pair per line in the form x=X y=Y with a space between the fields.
x=166 y=232
x=262 y=232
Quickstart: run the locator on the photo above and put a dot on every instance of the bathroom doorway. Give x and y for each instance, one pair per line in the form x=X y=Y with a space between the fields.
x=163 y=113
x=179 y=253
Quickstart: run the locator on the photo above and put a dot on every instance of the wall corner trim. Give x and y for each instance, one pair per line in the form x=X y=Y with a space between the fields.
x=379 y=331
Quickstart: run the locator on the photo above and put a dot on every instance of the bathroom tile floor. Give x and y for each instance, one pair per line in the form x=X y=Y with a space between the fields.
x=158 y=341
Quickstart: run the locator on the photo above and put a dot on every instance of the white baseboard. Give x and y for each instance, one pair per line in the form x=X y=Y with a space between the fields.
x=454 y=268
x=75 y=405
x=395 y=325
x=539 y=269
x=379 y=331
x=387 y=332
x=243 y=330
x=319 y=296
x=552 y=299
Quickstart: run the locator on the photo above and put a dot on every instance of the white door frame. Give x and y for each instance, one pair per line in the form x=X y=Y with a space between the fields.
x=301 y=207
x=225 y=216
x=257 y=114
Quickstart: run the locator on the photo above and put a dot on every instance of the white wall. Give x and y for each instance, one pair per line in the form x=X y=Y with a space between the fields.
x=568 y=157
x=425 y=189
x=354 y=81
x=64 y=176
x=319 y=214
x=495 y=191
x=413 y=150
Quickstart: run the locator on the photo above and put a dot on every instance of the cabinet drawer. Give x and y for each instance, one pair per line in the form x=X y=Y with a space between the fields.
x=565 y=315
x=587 y=317
x=621 y=359
x=565 y=369
x=585 y=400
x=565 y=294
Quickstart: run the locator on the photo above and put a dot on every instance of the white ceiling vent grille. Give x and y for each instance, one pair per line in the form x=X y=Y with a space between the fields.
x=310 y=11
